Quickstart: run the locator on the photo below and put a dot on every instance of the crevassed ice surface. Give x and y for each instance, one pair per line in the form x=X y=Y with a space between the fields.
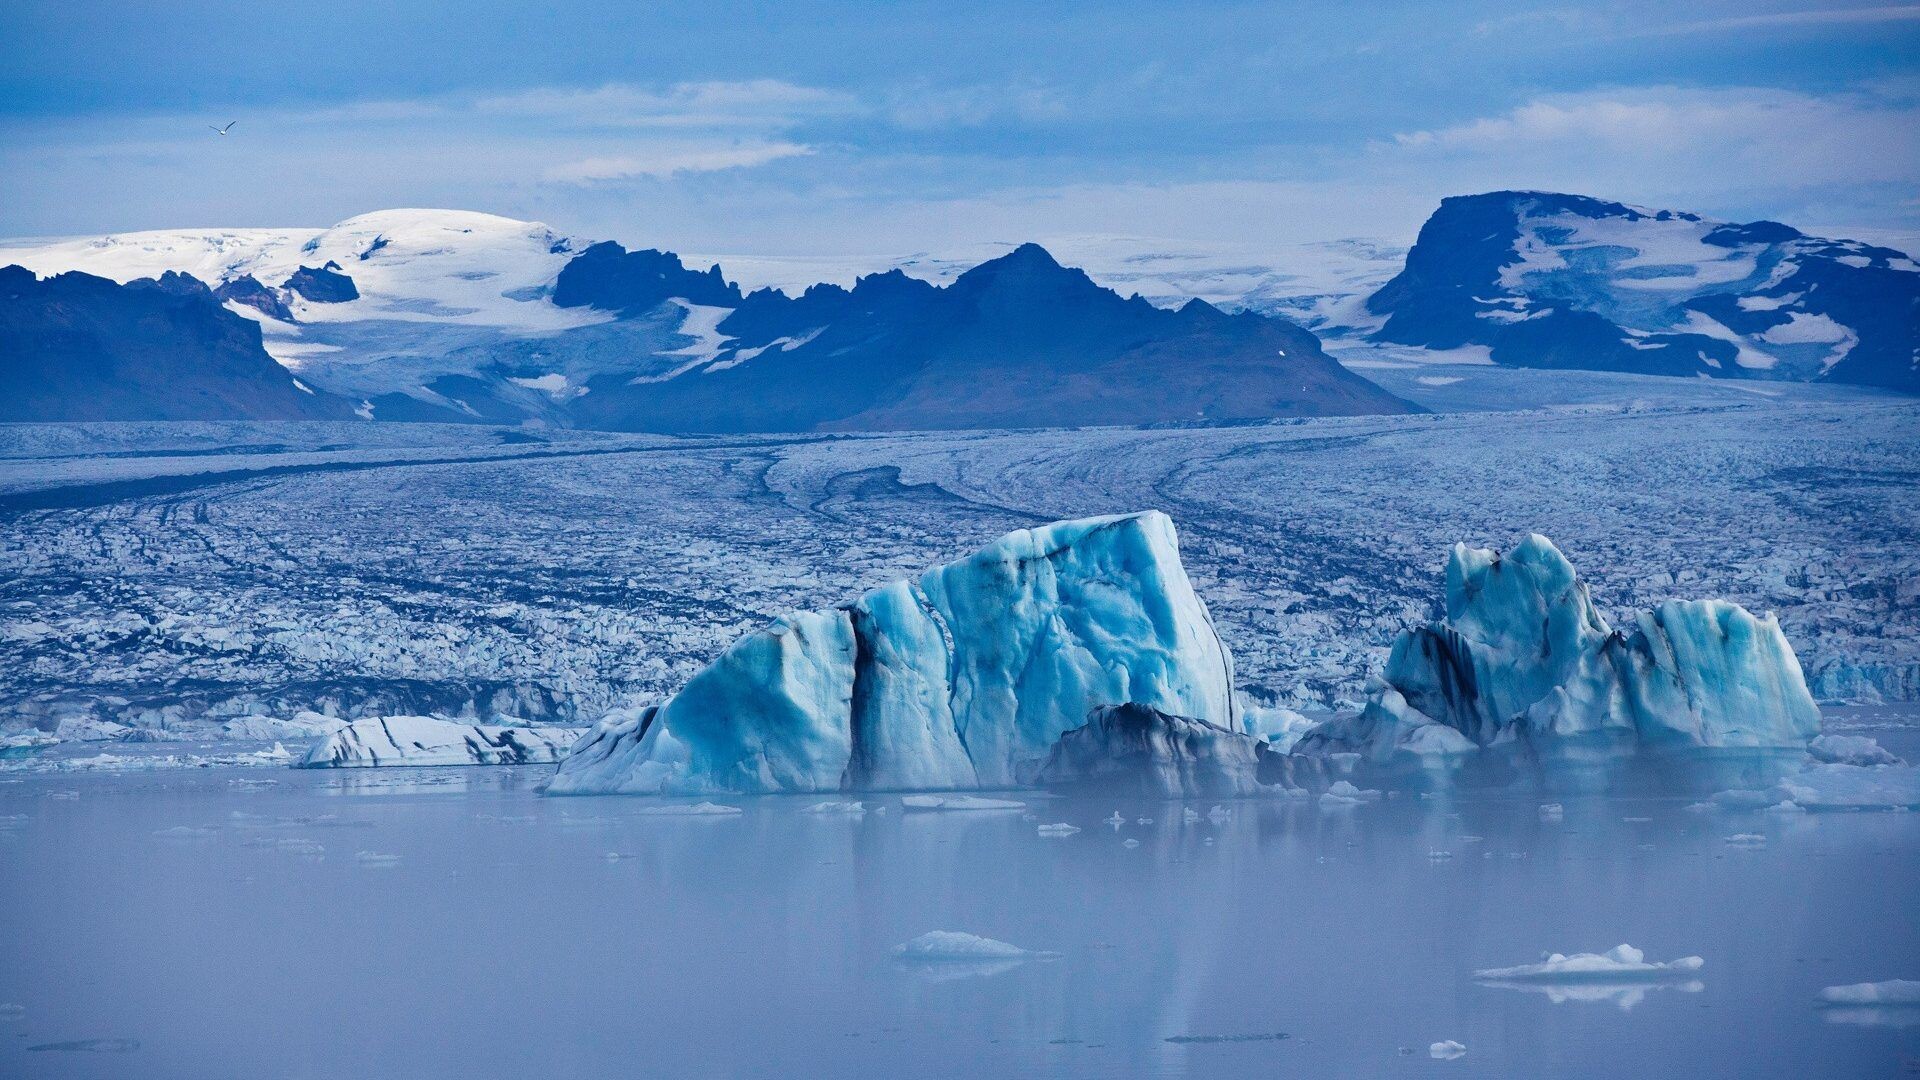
x=961 y=679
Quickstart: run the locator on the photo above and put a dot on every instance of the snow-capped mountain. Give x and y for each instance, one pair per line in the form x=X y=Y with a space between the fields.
x=1566 y=281
x=448 y=315
x=78 y=347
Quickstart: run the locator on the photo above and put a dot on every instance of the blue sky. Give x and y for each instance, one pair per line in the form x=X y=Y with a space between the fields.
x=834 y=127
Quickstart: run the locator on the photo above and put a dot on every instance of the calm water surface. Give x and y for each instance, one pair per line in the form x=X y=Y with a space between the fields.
x=232 y=928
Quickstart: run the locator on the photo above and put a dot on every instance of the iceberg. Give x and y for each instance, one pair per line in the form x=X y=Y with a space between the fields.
x=1622 y=963
x=424 y=740
x=961 y=679
x=1891 y=992
x=1523 y=659
x=958 y=802
x=1852 y=787
x=953 y=946
x=1135 y=750
x=1850 y=750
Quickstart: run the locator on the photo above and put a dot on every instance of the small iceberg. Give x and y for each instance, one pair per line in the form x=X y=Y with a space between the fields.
x=1058 y=828
x=854 y=808
x=957 y=947
x=1343 y=793
x=1622 y=963
x=1849 y=750
x=1891 y=992
x=958 y=802
x=425 y=740
x=699 y=809
x=1446 y=1050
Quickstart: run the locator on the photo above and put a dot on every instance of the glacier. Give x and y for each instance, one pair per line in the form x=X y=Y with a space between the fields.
x=1523 y=660
x=961 y=679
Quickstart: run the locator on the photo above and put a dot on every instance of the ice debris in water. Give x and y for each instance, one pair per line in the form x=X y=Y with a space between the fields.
x=1114 y=819
x=1523 y=659
x=1747 y=839
x=963 y=678
x=1853 y=787
x=1891 y=992
x=946 y=946
x=958 y=802
x=1446 y=1050
x=1058 y=828
x=376 y=859
x=837 y=808
x=699 y=809
x=1849 y=750
x=1343 y=793
x=1622 y=963
x=1552 y=811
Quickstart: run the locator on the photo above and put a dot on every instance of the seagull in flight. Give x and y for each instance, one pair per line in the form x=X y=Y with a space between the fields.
x=223 y=130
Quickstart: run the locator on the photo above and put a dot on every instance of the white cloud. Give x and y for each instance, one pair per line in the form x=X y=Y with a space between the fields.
x=663 y=162
x=1789 y=19
x=1719 y=137
x=750 y=103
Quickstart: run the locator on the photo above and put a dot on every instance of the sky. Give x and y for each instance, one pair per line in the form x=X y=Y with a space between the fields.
x=831 y=127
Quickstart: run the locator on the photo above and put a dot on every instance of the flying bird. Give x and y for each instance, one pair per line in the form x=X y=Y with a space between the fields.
x=223 y=130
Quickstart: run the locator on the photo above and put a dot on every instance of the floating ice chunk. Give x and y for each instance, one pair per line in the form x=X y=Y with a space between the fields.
x=1258 y=1036
x=1853 y=787
x=1747 y=839
x=1219 y=814
x=1130 y=843
x=1343 y=793
x=375 y=859
x=1114 y=819
x=1446 y=1050
x=961 y=679
x=424 y=740
x=11 y=1011
x=958 y=802
x=953 y=946
x=1742 y=800
x=1187 y=814
x=1524 y=658
x=1552 y=811
x=836 y=808
x=1850 y=750
x=1622 y=963
x=1143 y=821
x=1058 y=828
x=1890 y=992
x=699 y=809
x=186 y=832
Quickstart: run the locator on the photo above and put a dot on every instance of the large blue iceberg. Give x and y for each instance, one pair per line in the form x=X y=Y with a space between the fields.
x=962 y=679
x=1523 y=660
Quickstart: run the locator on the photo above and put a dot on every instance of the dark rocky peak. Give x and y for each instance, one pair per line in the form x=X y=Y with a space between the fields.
x=323 y=284
x=611 y=278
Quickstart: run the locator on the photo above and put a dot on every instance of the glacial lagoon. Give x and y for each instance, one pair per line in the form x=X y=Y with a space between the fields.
x=247 y=922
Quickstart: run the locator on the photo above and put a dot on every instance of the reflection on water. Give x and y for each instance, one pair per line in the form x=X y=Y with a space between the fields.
x=451 y=923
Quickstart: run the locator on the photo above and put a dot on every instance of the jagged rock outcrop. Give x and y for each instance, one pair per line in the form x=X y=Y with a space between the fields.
x=78 y=347
x=961 y=679
x=323 y=284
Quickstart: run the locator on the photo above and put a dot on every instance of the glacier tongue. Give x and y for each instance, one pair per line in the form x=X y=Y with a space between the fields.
x=961 y=679
x=1524 y=658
